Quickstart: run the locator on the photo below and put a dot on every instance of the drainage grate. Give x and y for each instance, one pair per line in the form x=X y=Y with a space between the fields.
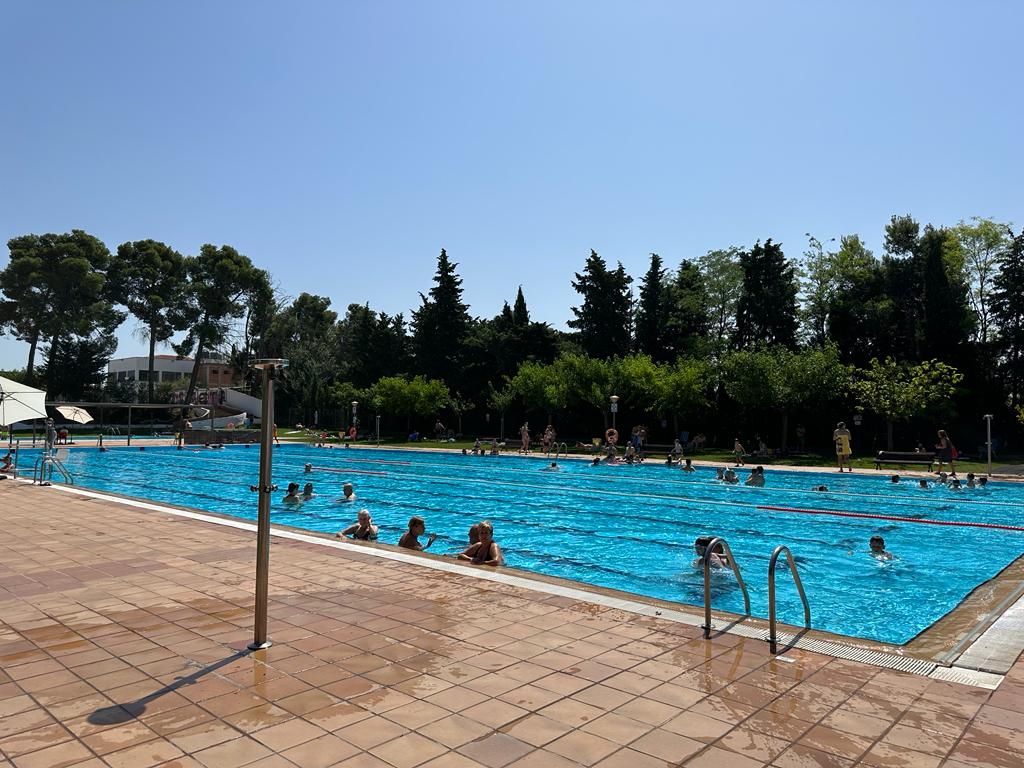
x=967 y=677
x=862 y=655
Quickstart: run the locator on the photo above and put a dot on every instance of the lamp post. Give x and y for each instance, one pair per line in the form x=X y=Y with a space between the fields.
x=614 y=408
x=988 y=440
x=355 y=412
x=270 y=369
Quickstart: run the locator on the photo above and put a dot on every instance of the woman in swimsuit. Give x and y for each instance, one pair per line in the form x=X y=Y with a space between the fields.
x=486 y=551
x=362 y=530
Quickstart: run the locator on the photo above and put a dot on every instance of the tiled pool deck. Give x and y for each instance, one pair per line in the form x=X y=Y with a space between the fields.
x=122 y=637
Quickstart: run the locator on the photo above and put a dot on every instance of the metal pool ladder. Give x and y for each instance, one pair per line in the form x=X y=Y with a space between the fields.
x=772 y=636
x=561 y=449
x=42 y=470
x=707 y=581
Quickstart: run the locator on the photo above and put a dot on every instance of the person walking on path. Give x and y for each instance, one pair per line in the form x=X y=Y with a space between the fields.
x=945 y=452
x=841 y=437
x=738 y=451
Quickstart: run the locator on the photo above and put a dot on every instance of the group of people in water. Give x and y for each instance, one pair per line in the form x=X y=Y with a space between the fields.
x=717 y=558
x=482 y=549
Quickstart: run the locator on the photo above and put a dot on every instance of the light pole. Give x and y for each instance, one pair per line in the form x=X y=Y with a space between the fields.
x=355 y=411
x=614 y=408
x=988 y=440
x=270 y=370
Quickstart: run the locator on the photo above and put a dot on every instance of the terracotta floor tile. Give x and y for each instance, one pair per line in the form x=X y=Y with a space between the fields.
x=919 y=740
x=753 y=744
x=714 y=757
x=456 y=698
x=337 y=716
x=496 y=750
x=114 y=737
x=382 y=700
x=582 y=747
x=258 y=717
x=416 y=714
x=158 y=752
x=232 y=754
x=350 y=687
x=408 y=750
x=494 y=713
x=984 y=756
x=616 y=728
x=364 y=760
x=290 y=733
x=666 y=745
x=324 y=751
x=891 y=756
x=307 y=701
x=59 y=756
x=540 y=758
x=370 y=732
x=802 y=756
x=603 y=697
x=536 y=729
x=24 y=721
x=697 y=726
x=200 y=737
x=646 y=711
x=530 y=697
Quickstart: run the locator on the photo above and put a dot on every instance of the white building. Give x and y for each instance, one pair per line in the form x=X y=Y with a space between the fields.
x=214 y=371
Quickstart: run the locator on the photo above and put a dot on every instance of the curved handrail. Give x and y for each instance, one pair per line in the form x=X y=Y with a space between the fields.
x=772 y=637
x=707 y=581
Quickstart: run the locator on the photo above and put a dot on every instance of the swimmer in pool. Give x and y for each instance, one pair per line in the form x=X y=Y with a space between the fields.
x=894 y=479
x=362 y=530
x=822 y=488
x=731 y=478
x=486 y=551
x=923 y=484
x=720 y=473
x=552 y=468
x=756 y=478
x=982 y=482
x=292 y=497
x=307 y=492
x=411 y=538
x=349 y=493
x=688 y=466
x=307 y=467
x=971 y=483
x=718 y=560
x=878 y=552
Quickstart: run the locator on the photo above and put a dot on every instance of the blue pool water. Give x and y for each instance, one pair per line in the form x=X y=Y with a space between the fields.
x=626 y=527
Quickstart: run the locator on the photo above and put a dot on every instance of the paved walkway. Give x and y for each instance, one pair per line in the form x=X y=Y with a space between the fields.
x=122 y=637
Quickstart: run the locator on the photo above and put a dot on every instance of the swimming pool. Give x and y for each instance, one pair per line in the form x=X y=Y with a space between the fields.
x=626 y=527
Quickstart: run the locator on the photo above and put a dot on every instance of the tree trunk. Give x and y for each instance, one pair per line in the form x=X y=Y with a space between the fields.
x=191 y=384
x=785 y=430
x=152 y=355
x=888 y=434
x=31 y=364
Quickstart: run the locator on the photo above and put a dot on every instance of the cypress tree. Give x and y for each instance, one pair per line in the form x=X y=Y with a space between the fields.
x=650 y=315
x=520 y=314
x=1008 y=311
x=441 y=324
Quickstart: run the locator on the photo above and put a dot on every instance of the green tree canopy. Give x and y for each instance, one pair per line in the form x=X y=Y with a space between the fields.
x=902 y=391
x=604 y=319
x=150 y=279
x=766 y=313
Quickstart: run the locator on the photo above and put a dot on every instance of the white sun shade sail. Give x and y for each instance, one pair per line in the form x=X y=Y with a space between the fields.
x=74 y=413
x=20 y=402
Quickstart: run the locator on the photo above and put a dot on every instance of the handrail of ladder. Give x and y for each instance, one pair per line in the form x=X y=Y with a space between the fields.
x=561 y=449
x=772 y=636
x=712 y=545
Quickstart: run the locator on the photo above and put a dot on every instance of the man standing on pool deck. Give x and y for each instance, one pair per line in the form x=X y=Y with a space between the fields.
x=841 y=437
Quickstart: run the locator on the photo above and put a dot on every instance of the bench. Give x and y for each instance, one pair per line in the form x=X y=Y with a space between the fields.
x=904 y=457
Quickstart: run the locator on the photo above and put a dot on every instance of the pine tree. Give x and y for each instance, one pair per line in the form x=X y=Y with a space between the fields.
x=687 y=322
x=767 y=312
x=650 y=314
x=945 y=318
x=604 y=319
x=441 y=324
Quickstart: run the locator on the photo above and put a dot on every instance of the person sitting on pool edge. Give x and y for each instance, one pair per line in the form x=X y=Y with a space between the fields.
x=878 y=552
x=718 y=560
x=362 y=530
x=292 y=497
x=349 y=493
x=486 y=551
x=411 y=538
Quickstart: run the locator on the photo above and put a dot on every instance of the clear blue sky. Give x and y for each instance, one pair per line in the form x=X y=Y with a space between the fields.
x=341 y=145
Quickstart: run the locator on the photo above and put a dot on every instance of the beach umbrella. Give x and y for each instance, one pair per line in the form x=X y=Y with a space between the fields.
x=74 y=413
x=19 y=402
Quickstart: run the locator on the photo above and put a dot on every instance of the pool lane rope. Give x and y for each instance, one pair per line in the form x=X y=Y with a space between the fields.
x=837 y=513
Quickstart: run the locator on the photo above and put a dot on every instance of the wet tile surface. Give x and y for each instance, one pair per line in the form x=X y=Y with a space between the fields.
x=123 y=640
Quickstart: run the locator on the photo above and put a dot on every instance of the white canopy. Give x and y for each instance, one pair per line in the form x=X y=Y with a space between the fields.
x=74 y=413
x=19 y=402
